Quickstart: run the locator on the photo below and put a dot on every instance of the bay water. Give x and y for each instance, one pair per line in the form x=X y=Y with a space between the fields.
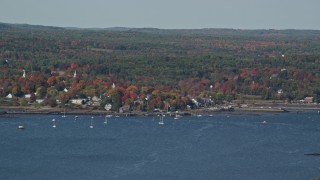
x=218 y=147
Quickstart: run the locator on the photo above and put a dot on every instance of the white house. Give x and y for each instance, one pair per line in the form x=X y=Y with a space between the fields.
x=27 y=96
x=108 y=107
x=39 y=101
x=308 y=100
x=124 y=109
x=280 y=91
x=78 y=101
x=9 y=96
x=95 y=101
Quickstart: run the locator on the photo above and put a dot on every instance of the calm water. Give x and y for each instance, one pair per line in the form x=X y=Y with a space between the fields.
x=219 y=147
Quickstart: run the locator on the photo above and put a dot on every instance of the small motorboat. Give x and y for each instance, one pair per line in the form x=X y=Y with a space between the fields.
x=20 y=127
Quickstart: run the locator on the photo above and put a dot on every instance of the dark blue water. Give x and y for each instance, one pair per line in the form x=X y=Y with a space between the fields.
x=225 y=147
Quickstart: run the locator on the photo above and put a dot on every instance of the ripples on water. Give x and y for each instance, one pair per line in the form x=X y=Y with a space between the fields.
x=224 y=147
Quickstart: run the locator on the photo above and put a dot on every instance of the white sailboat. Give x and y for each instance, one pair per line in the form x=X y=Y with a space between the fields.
x=21 y=126
x=161 y=122
x=64 y=113
x=91 y=124
x=54 y=123
x=105 y=120
x=177 y=116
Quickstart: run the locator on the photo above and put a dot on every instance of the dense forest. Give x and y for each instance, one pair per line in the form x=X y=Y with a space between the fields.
x=155 y=68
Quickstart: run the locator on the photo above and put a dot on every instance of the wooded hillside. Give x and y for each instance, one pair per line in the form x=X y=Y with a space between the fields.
x=157 y=68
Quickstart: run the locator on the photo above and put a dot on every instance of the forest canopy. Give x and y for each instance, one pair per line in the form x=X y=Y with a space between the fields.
x=158 y=67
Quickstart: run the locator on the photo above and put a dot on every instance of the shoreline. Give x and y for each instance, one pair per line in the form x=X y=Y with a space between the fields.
x=204 y=111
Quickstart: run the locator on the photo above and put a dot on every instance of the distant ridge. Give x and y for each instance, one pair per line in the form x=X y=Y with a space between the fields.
x=7 y=26
x=118 y=29
x=184 y=32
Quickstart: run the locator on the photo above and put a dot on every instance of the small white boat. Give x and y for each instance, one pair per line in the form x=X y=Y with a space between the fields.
x=21 y=125
x=54 y=123
x=264 y=122
x=106 y=120
x=177 y=116
x=161 y=122
x=91 y=124
x=64 y=113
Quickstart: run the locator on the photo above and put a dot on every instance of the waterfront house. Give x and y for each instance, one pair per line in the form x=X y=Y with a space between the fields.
x=95 y=101
x=27 y=96
x=39 y=101
x=78 y=101
x=9 y=96
x=124 y=109
x=308 y=100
